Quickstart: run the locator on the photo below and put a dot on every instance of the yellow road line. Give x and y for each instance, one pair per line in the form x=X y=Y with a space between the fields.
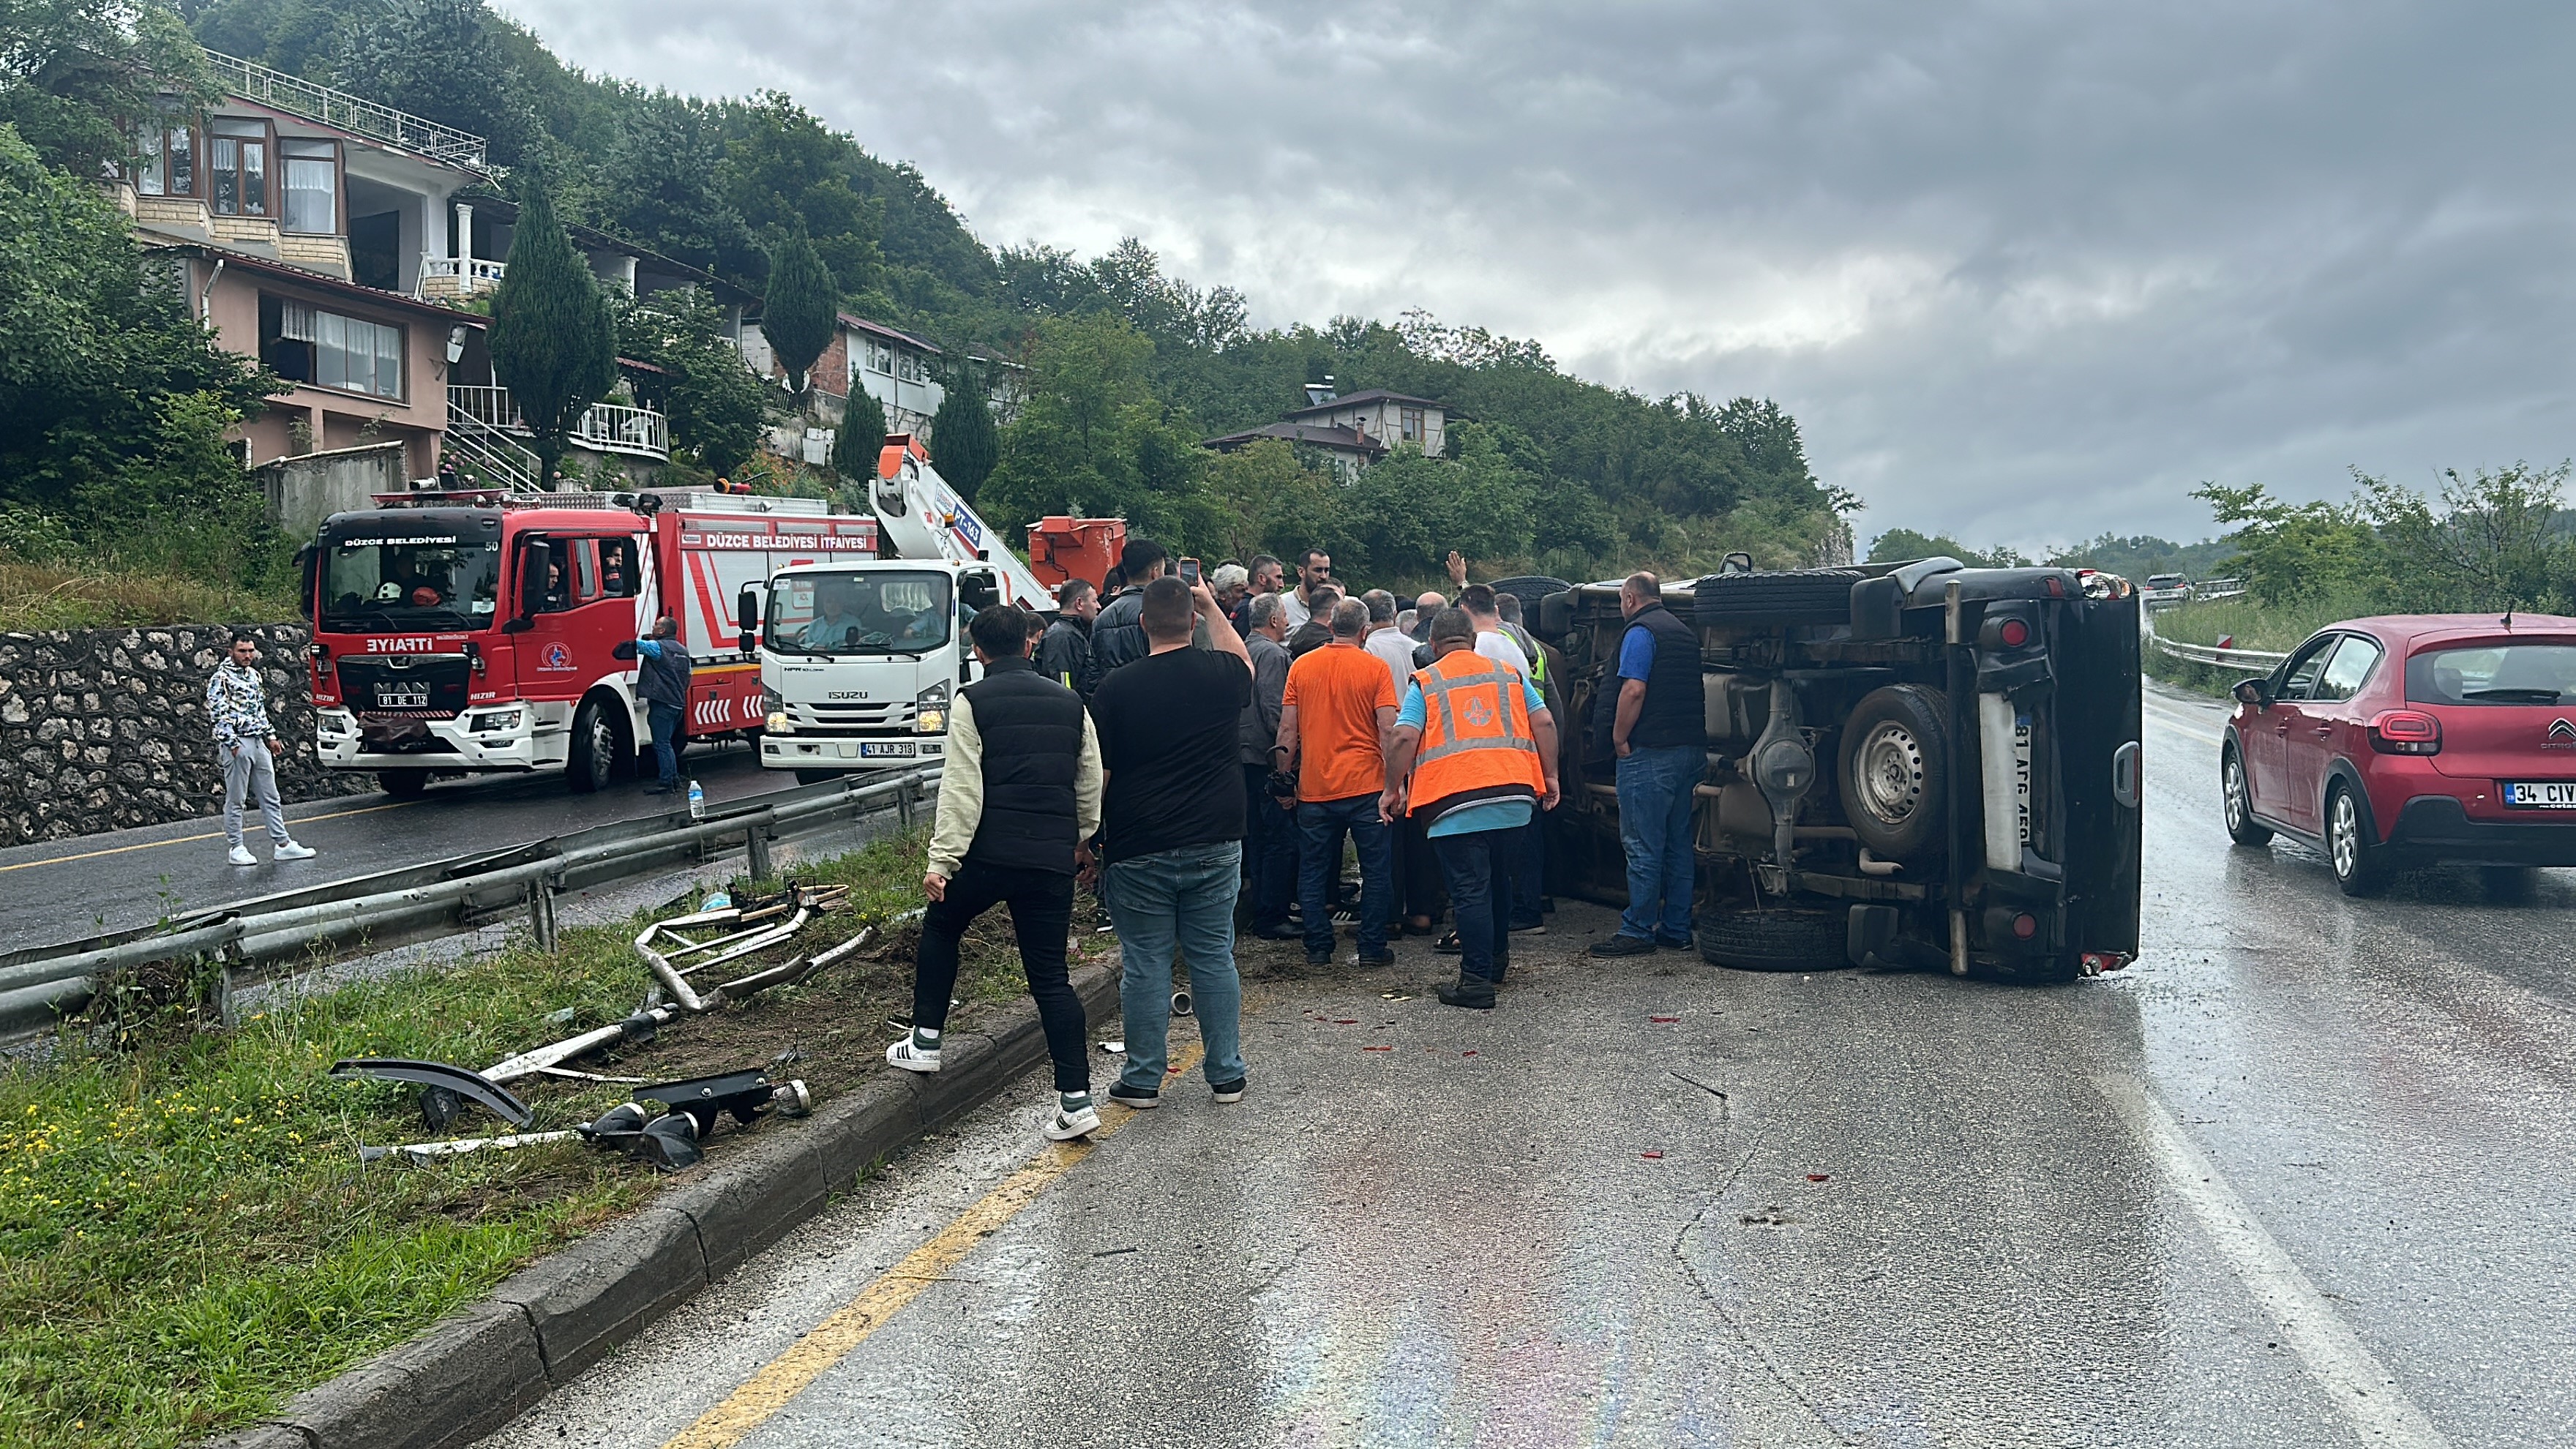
x=187 y=839
x=779 y=1381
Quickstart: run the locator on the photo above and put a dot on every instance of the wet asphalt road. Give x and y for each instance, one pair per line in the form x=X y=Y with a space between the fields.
x=63 y=890
x=2299 y=1177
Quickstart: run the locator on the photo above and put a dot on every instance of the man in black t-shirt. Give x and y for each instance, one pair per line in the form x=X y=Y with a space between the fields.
x=1172 y=831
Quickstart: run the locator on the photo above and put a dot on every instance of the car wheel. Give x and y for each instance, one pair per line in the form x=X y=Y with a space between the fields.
x=816 y=777
x=1777 y=940
x=403 y=784
x=2360 y=865
x=1894 y=757
x=1794 y=596
x=592 y=761
x=2235 y=804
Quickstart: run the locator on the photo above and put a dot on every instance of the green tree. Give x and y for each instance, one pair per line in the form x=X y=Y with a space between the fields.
x=801 y=309
x=715 y=404
x=963 y=441
x=1903 y=545
x=1264 y=499
x=860 y=437
x=786 y=172
x=2493 y=543
x=2296 y=552
x=79 y=78
x=1092 y=439
x=444 y=60
x=554 y=343
x=662 y=186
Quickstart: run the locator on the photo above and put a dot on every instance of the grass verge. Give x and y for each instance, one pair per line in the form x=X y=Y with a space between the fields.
x=187 y=1237
x=36 y=596
x=2275 y=627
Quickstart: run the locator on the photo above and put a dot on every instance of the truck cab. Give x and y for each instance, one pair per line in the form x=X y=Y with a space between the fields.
x=859 y=660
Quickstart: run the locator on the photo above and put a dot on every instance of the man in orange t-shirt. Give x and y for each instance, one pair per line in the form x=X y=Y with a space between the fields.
x=1333 y=723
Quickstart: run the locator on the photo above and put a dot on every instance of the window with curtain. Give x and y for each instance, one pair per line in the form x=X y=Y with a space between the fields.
x=169 y=165
x=237 y=167
x=312 y=185
x=348 y=352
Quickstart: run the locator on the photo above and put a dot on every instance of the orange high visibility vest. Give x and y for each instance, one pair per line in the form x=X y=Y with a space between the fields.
x=1477 y=742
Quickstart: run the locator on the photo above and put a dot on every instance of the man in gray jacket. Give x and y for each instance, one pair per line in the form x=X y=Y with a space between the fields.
x=237 y=712
x=1270 y=835
x=662 y=668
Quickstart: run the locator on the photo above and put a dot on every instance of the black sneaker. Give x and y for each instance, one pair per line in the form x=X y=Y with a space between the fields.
x=1228 y=1092
x=1670 y=944
x=1374 y=958
x=1100 y=922
x=1319 y=958
x=1143 y=1100
x=1448 y=945
x=1281 y=932
x=1624 y=946
x=1474 y=995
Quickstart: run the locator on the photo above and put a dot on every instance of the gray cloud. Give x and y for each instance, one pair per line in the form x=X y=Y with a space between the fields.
x=2023 y=271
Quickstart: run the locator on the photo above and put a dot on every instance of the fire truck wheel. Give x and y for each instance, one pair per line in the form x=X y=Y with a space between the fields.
x=592 y=761
x=403 y=784
x=1894 y=755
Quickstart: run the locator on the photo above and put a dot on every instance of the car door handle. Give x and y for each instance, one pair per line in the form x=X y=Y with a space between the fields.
x=2324 y=731
x=2282 y=728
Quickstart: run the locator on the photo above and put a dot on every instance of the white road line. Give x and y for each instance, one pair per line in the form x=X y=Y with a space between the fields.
x=2360 y=1386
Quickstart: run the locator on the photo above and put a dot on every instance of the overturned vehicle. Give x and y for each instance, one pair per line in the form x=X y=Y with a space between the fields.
x=1909 y=765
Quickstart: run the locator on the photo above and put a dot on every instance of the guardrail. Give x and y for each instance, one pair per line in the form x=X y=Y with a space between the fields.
x=435 y=898
x=2253 y=661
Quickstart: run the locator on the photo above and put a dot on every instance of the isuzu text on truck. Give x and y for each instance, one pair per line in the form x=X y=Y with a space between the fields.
x=475 y=633
x=859 y=657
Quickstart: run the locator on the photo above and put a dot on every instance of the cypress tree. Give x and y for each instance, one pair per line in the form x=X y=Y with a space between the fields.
x=801 y=309
x=554 y=343
x=862 y=433
x=962 y=440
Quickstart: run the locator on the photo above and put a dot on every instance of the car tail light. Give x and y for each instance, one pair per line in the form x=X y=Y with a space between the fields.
x=2405 y=732
x=2024 y=926
x=2015 y=633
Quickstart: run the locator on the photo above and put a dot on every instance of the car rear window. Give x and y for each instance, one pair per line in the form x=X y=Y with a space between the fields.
x=2493 y=674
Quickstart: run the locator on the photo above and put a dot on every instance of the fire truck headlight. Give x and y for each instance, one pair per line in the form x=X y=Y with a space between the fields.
x=498 y=720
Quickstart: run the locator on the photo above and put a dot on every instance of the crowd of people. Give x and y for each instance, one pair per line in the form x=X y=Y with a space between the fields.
x=1203 y=747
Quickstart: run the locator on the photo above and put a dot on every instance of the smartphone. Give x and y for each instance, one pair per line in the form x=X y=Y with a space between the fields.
x=1190 y=571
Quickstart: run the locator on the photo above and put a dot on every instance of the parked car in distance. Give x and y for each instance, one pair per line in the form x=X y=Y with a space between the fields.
x=2164 y=591
x=2410 y=739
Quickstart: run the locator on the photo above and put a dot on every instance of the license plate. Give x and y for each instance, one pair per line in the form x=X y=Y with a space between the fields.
x=2541 y=795
x=403 y=698
x=878 y=751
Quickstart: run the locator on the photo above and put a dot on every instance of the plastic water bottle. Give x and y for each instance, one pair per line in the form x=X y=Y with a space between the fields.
x=697 y=802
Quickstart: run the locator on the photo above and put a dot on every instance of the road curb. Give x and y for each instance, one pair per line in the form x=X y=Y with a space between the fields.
x=483 y=1365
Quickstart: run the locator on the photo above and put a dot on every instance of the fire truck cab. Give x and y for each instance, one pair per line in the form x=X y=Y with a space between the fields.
x=477 y=633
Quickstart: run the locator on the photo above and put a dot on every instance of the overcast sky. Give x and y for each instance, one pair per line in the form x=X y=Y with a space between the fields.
x=2023 y=271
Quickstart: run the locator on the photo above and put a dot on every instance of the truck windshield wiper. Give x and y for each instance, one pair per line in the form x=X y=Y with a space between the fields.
x=786 y=648
x=2513 y=696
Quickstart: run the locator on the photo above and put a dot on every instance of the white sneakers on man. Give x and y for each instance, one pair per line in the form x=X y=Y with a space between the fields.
x=912 y=1057
x=292 y=851
x=241 y=856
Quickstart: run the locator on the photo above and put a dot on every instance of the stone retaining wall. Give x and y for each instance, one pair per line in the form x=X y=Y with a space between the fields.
x=106 y=728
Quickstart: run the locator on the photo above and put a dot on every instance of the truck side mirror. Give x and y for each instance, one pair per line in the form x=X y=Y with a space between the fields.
x=308 y=565
x=531 y=587
x=2256 y=692
x=746 y=619
x=979 y=591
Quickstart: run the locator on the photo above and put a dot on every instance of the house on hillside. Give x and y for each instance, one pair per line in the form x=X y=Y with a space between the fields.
x=901 y=371
x=1352 y=432
x=337 y=241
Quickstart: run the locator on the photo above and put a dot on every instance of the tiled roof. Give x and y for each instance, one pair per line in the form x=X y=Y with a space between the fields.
x=1349 y=440
x=1363 y=399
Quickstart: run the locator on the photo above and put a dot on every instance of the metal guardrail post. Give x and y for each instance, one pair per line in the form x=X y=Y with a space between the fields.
x=755 y=849
x=541 y=912
x=903 y=804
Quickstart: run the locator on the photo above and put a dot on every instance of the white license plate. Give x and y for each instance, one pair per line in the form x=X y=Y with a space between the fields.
x=2541 y=795
x=876 y=751
x=402 y=699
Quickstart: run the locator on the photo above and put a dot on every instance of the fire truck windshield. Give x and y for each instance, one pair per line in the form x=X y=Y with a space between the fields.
x=828 y=612
x=426 y=579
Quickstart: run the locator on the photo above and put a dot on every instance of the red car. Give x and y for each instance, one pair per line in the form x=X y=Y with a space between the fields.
x=2409 y=739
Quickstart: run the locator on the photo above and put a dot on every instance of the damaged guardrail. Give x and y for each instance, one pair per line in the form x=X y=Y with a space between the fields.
x=437 y=898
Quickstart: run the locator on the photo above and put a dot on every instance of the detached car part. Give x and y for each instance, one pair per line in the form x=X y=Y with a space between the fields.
x=674 y=954
x=444 y=1089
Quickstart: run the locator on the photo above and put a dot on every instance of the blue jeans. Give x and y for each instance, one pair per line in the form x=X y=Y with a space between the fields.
x=1181 y=898
x=1320 y=824
x=1655 y=830
x=664 y=720
x=1480 y=866
x=1269 y=850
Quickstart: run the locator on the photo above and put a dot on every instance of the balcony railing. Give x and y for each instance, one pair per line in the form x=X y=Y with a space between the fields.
x=606 y=428
x=255 y=82
x=443 y=278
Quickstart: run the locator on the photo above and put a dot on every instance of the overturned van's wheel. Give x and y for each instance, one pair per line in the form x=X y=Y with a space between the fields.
x=1894 y=772
x=1530 y=589
x=1792 y=596
x=1787 y=939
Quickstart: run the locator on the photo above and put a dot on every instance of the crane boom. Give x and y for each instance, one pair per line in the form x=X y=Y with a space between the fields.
x=922 y=517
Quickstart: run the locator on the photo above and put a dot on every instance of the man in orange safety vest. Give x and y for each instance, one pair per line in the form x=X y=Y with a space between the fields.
x=1474 y=754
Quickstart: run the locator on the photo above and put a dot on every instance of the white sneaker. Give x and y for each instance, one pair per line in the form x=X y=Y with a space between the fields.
x=1064 y=1126
x=241 y=856
x=292 y=851
x=912 y=1058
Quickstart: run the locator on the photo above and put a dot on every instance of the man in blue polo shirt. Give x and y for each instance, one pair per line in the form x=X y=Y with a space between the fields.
x=1656 y=729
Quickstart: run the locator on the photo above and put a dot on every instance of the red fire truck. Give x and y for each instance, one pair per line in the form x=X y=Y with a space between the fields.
x=463 y=633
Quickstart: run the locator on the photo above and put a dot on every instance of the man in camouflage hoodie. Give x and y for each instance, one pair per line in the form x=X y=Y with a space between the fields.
x=237 y=712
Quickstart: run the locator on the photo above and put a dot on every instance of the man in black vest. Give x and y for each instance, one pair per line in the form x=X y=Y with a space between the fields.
x=1019 y=793
x=1656 y=731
